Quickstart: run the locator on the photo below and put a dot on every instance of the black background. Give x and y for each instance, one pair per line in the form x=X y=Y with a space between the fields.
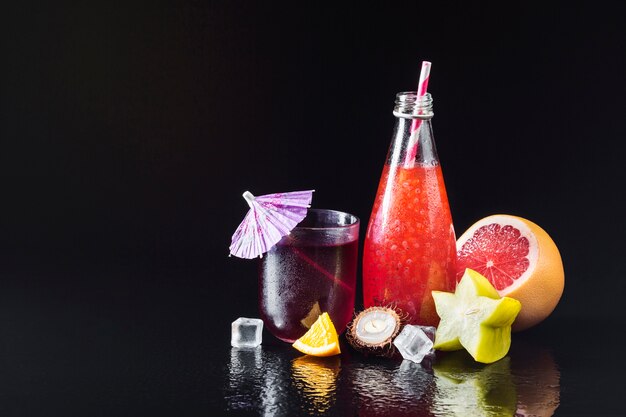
x=129 y=132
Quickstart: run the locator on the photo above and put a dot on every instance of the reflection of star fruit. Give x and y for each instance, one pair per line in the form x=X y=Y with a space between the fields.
x=474 y=317
x=537 y=379
x=466 y=388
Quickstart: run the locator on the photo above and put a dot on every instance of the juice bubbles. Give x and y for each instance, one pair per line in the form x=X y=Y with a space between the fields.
x=410 y=245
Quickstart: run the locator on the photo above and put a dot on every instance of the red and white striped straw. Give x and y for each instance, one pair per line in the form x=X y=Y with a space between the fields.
x=415 y=126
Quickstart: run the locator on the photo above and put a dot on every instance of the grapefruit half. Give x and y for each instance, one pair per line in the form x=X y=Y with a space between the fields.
x=520 y=260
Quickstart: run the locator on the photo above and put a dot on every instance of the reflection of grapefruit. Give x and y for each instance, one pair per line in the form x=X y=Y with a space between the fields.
x=521 y=261
x=537 y=379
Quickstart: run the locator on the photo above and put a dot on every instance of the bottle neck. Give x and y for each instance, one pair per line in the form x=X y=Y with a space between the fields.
x=409 y=106
x=413 y=142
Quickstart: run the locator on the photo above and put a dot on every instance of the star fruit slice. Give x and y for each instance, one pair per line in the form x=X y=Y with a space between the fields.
x=476 y=318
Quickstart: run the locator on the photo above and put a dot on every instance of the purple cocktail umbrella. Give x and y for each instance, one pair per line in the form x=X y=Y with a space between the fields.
x=270 y=217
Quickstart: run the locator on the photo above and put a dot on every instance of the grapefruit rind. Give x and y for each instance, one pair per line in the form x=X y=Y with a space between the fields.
x=540 y=287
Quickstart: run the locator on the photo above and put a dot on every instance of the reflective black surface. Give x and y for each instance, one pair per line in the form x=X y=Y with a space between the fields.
x=544 y=374
x=154 y=342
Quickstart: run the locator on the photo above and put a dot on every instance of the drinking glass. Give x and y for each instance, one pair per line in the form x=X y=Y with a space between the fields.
x=309 y=272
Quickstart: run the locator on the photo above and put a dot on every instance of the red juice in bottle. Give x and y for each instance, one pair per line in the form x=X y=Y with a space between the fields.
x=410 y=245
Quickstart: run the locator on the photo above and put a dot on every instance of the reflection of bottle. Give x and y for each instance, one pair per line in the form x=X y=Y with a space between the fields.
x=316 y=379
x=410 y=246
x=387 y=388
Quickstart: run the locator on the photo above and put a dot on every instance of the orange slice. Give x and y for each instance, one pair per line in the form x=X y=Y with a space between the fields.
x=321 y=339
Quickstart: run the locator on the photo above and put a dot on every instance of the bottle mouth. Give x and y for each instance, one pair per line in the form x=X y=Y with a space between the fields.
x=410 y=106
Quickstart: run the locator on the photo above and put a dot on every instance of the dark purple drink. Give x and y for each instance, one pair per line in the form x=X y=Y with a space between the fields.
x=311 y=271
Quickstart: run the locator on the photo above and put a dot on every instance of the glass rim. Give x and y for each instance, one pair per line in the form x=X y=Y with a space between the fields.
x=413 y=94
x=356 y=223
x=409 y=106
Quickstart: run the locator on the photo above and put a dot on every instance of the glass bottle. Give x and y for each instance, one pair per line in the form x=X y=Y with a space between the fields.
x=410 y=245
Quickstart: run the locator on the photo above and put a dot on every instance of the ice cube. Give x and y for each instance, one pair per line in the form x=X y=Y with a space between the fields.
x=415 y=342
x=246 y=332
